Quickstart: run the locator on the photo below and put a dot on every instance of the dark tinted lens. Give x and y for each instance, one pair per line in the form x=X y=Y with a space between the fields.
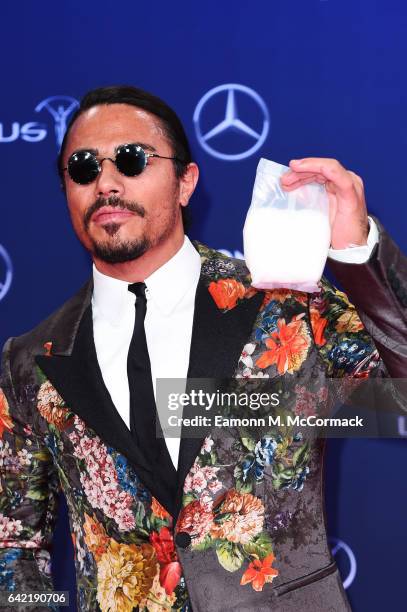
x=130 y=159
x=83 y=167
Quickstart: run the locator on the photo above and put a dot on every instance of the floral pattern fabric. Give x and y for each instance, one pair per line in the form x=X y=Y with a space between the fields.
x=123 y=538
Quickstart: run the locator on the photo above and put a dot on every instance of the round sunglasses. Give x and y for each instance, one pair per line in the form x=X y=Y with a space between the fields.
x=131 y=159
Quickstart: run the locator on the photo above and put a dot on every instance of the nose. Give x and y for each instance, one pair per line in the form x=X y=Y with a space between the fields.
x=109 y=181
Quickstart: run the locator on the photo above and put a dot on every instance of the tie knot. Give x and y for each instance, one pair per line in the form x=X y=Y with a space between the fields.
x=139 y=289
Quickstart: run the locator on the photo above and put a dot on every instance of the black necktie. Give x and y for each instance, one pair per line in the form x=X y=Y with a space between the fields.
x=143 y=412
x=142 y=402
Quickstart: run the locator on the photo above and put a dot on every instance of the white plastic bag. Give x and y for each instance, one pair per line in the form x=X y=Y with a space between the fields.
x=286 y=235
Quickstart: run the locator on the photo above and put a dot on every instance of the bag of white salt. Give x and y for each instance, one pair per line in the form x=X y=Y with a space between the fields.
x=286 y=235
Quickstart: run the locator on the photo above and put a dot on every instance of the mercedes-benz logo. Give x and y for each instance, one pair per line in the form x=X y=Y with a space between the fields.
x=6 y=272
x=345 y=559
x=232 y=120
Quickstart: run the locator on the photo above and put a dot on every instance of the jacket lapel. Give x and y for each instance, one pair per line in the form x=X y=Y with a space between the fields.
x=218 y=337
x=74 y=371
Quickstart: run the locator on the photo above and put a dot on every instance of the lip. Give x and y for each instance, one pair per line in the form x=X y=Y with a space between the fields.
x=107 y=214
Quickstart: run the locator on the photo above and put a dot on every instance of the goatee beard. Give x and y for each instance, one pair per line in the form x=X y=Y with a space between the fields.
x=122 y=252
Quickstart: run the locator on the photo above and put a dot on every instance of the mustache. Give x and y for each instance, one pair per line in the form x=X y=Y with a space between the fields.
x=114 y=202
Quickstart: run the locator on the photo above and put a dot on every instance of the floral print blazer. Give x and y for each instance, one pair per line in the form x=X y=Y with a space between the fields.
x=247 y=531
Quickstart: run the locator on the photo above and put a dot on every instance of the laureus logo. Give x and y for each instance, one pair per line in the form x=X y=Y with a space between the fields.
x=6 y=272
x=59 y=107
x=345 y=559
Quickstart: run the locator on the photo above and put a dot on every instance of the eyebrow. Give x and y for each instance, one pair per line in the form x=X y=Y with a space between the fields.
x=143 y=145
x=147 y=147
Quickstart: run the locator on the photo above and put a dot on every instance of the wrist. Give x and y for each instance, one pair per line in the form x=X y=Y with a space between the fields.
x=351 y=239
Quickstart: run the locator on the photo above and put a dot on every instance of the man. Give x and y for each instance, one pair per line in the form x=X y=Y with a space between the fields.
x=239 y=524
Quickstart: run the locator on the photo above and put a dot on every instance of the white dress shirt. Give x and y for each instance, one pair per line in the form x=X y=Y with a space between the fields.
x=170 y=293
x=170 y=297
x=358 y=254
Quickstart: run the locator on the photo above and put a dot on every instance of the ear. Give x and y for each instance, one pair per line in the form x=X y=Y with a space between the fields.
x=187 y=183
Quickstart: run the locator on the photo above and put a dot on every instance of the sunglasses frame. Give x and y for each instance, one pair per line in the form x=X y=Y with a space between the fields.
x=99 y=162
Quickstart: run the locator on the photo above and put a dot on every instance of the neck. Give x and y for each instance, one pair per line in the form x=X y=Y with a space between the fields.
x=141 y=268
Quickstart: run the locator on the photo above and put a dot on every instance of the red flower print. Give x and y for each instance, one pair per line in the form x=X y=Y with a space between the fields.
x=5 y=420
x=196 y=521
x=318 y=327
x=260 y=572
x=48 y=348
x=288 y=346
x=226 y=292
x=163 y=545
x=158 y=510
x=170 y=570
x=170 y=575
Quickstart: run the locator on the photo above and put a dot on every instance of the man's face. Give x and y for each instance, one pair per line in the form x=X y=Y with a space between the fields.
x=119 y=218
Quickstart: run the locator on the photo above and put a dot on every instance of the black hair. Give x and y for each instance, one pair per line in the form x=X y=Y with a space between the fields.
x=126 y=94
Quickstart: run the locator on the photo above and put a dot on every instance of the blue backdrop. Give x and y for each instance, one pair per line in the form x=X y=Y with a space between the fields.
x=312 y=77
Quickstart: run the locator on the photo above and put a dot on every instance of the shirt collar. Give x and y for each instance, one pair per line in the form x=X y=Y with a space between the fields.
x=166 y=286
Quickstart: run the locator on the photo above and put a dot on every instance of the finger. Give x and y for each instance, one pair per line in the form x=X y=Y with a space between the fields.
x=291 y=177
x=331 y=169
x=358 y=183
x=317 y=178
x=304 y=181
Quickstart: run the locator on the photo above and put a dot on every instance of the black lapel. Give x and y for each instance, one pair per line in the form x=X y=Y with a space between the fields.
x=78 y=379
x=218 y=338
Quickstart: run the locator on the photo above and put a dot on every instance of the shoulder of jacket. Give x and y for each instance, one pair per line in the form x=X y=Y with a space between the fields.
x=32 y=342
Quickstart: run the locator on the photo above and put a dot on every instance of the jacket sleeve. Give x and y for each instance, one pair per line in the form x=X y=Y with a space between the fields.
x=28 y=489
x=378 y=289
x=360 y=365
